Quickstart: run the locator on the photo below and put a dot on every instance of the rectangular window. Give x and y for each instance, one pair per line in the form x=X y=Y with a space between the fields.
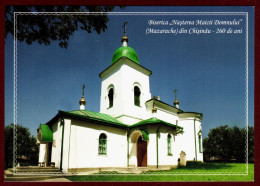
x=169 y=149
x=169 y=145
x=137 y=94
x=200 y=144
x=102 y=146
x=137 y=101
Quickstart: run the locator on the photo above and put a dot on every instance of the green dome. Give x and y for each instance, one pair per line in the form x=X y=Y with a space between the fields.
x=125 y=52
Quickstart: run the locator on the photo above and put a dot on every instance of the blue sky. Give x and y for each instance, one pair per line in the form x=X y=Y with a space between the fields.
x=207 y=69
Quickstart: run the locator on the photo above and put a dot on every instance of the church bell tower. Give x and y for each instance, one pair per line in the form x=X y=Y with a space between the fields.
x=125 y=86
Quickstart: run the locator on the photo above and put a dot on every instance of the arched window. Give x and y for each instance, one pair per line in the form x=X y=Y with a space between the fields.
x=111 y=97
x=169 y=144
x=200 y=144
x=102 y=145
x=137 y=94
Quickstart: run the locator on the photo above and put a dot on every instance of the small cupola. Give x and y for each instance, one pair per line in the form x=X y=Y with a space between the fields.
x=82 y=101
x=176 y=102
x=124 y=50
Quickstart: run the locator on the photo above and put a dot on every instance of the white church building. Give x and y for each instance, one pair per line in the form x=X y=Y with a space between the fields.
x=132 y=128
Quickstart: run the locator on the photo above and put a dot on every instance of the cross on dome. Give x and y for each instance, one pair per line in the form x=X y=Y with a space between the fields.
x=175 y=93
x=176 y=102
x=124 y=50
x=124 y=39
x=125 y=27
x=82 y=101
x=83 y=87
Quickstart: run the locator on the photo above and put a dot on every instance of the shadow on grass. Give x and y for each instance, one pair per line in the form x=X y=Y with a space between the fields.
x=162 y=176
x=199 y=167
x=206 y=165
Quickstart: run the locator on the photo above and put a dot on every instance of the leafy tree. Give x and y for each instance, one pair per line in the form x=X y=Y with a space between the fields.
x=251 y=140
x=8 y=145
x=228 y=143
x=46 y=28
x=238 y=145
x=26 y=146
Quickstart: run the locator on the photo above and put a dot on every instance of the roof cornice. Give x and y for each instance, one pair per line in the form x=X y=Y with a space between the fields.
x=191 y=114
x=64 y=114
x=126 y=61
x=164 y=106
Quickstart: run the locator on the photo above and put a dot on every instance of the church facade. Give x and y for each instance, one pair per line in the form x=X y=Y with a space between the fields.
x=132 y=129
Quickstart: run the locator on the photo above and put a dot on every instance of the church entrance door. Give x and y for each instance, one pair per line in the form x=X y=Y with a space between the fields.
x=49 y=153
x=141 y=152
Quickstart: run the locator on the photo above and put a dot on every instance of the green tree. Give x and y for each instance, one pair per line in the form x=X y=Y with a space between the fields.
x=217 y=143
x=8 y=146
x=228 y=143
x=238 y=144
x=46 y=28
x=251 y=140
x=26 y=146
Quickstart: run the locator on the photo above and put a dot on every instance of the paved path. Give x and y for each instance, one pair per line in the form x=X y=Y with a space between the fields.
x=55 y=180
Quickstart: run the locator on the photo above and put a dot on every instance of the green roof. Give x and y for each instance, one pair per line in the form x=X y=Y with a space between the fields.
x=145 y=136
x=105 y=119
x=125 y=52
x=46 y=133
x=154 y=121
x=96 y=116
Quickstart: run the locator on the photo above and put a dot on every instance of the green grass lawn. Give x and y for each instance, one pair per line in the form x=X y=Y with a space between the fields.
x=193 y=172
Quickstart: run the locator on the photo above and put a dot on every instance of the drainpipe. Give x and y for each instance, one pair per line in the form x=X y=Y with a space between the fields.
x=157 y=149
x=127 y=147
x=62 y=138
x=195 y=140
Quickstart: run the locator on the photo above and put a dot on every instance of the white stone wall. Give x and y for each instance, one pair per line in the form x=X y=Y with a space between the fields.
x=132 y=154
x=124 y=78
x=43 y=152
x=113 y=79
x=164 y=158
x=166 y=116
x=132 y=78
x=151 y=148
x=81 y=139
x=66 y=145
x=182 y=142
x=56 y=147
x=84 y=141
x=198 y=128
x=187 y=140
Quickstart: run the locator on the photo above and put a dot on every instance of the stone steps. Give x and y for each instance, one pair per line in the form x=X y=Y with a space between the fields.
x=32 y=174
x=34 y=170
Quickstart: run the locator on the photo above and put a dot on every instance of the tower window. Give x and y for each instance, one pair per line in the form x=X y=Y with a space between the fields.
x=137 y=94
x=169 y=144
x=102 y=146
x=111 y=97
x=200 y=144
